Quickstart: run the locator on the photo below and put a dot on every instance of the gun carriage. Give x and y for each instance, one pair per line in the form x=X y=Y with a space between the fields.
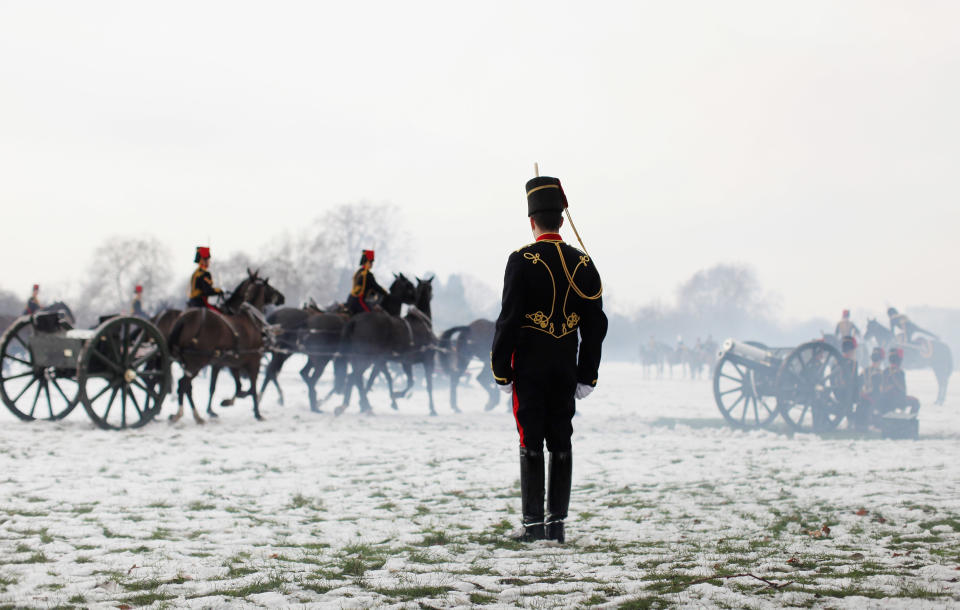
x=812 y=387
x=119 y=371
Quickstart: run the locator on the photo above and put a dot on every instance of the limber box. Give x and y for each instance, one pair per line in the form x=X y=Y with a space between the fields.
x=899 y=426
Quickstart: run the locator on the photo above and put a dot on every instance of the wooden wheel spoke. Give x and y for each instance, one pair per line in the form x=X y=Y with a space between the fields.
x=123 y=406
x=139 y=361
x=18 y=376
x=59 y=389
x=36 y=397
x=113 y=395
x=25 y=388
x=136 y=405
x=21 y=342
x=736 y=389
x=101 y=392
x=146 y=389
x=46 y=390
x=735 y=403
x=737 y=379
x=20 y=360
x=104 y=360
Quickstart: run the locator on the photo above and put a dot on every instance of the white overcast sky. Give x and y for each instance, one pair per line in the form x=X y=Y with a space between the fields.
x=816 y=141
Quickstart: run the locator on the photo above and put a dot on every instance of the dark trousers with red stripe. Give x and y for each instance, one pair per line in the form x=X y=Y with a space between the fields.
x=543 y=406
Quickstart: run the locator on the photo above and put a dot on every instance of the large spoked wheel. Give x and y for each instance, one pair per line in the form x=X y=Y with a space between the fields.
x=740 y=400
x=124 y=373
x=31 y=391
x=815 y=388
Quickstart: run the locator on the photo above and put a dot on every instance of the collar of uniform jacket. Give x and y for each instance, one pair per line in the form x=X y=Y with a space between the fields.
x=550 y=237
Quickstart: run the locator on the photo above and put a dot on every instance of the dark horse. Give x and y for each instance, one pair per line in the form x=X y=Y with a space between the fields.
x=917 y=355
x=316 y=333
x=458 y=347
x=424 y=349
x=371 y=338
x=234 y=339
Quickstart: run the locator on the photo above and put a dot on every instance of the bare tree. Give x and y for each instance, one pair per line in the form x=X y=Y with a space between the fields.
x=117 y=266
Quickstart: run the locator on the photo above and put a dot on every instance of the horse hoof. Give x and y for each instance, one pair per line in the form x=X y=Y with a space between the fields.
x=199 y=420
x=433 y=413
x=339 y=410
x=394 y=406
x=315 y=410
x=211 y=413
x=226 y=402
x=259 y=417
x=456 y=409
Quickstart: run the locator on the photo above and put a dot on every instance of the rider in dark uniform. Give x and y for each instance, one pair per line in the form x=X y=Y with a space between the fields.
x=33 y=303
x=201 y=283
x=546 y=352
x=365 y=290
x=136 y=308
x=901 y=324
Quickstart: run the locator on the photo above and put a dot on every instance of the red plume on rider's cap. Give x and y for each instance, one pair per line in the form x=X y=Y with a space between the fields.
x=138 y=289
x=846 y=313
x=202 y=253
x=367 y=255
x=36 y=286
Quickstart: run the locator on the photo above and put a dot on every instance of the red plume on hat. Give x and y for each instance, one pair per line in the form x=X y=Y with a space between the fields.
x=367 y=255
x=846 y=313
x=138 y=289
x=36 y=286
x=202 y=253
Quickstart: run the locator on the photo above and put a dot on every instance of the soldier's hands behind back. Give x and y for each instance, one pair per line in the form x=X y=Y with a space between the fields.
x=583 y=390
x=506 y=388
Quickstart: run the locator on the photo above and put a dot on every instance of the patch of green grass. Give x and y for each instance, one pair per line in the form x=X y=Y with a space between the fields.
x=159 y=504
x=82 y=559
x=239 y=571
x=421 y=510
x=411 y=592
x=496 y=541
x=35 y=499
x=160 y=533
x=148 y=598
x=424 y=558
x=595 y=600
x=357 y=559
x=108 y=533
x=435 y=538
x=199 y=505
x=263 y=585
x=952 y=522
x=387 y=506
x=481 y=599
x=78 y=599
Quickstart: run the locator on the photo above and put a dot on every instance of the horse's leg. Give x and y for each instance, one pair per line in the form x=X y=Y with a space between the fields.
x=485 y=378
x=365 y=406
x=317 y=368
x=252 y=370
x=182 y=388
x=273 y=370
x=428 y=372
x=215 y=372
x=379 y=367
x=348 y=382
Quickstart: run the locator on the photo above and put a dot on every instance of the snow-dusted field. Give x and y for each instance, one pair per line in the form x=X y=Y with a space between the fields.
x=668 y=507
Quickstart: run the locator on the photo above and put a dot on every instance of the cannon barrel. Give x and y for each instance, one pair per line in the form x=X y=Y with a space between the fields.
x=748 y=352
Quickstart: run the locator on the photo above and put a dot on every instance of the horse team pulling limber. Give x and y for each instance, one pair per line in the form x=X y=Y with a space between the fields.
x=121 y=370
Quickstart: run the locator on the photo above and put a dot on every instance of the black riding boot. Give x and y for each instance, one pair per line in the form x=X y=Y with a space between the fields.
x=531 y=494
x=558 y=495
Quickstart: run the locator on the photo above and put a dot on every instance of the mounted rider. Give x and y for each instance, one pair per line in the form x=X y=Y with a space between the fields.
x=201 y=283
x=365 y=291
x=900 y=324
x=846 y=328
x=136 y=307
x=33 y=303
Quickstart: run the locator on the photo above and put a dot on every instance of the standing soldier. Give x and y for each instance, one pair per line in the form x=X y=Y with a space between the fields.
x=535 y=353
x=136 y=308
x=201 y=283
x=365 y=288
x=846 y=328
x=33 y=303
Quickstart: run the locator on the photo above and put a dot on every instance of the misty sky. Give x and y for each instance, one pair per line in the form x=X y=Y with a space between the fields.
x=816 y=141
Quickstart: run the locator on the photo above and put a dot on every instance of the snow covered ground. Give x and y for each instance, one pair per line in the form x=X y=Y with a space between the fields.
x=669 y=506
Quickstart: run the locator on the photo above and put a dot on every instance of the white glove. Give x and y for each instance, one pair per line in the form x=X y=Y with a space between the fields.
x=583 y=390
x=506 y=388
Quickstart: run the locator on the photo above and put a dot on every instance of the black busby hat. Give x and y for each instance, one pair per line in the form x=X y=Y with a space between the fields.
x=544 y=194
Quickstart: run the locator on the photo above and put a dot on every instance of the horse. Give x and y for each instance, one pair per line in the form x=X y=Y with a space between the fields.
x=309 y=331
x=423 y=352
x=369 y=338
x=926 y=353
x=458 y=347
x=235 y=339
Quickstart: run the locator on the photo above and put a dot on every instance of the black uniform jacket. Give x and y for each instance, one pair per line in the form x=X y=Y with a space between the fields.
x=201 y=287
x=541 y=315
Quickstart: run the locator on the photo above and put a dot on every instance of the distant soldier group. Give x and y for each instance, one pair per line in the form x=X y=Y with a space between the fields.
x=879 y=390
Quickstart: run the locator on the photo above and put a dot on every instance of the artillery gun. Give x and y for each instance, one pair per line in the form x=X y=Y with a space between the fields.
x=812 y=387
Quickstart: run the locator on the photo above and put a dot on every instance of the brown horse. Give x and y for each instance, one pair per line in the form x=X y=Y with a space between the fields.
x=424 y=350
x=234 y=339
x=460 y=345
x=371 y=338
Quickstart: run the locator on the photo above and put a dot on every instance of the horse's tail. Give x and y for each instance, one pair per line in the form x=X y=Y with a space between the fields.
x=444 y=343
